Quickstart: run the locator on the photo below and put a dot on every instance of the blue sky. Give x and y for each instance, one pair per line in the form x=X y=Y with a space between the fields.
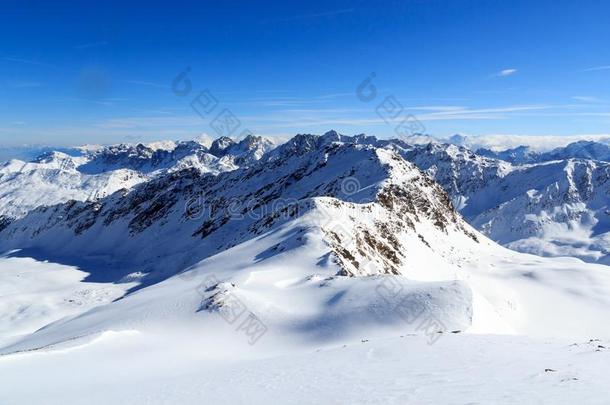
x=72 y=73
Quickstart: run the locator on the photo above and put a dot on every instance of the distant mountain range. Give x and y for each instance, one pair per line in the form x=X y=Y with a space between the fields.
x=576 y=150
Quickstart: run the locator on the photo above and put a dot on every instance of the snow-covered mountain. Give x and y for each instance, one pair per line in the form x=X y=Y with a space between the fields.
x=519 y=155
x=303 y=238
x=224 y=154
x=511 y=146
x=579 y=150
x=56 y=177
x=326 y=250
x=576 y=150
x=559 y=206
x=184 y=211
x=552 y=208
x=242 y=153
x=31 y=152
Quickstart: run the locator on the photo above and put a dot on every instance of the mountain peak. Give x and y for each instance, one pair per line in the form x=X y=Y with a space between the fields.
x=220 y=145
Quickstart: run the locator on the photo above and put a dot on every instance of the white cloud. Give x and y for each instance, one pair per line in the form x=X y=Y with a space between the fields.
x=296 y=120
x=587 y=99
x=593 y=69
x=330 y=13
x=23 y=84
x=506 y=72
x=539 y=143
x=480 y=113
x=149 y=84
x=26 y=61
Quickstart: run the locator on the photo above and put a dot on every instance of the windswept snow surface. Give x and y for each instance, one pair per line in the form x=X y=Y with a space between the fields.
x=130 y=368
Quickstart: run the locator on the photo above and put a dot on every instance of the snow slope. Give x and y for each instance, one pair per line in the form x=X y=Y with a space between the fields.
x=458 y=369
x=34 y=294
x=328 y=338
x=288 y=278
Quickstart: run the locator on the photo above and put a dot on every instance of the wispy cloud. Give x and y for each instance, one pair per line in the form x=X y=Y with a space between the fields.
x=296 y=120
x=291 y=120
x=278 y=101
x=330 y=13
x=588 y=99
x=91 y=45
x=437 y=108
x=480 y=113
x=505 y=72
x=26 y=61
x=151 y=122
x=23 y=84
x=145 y=83
x=595 y=68
x=335 y=95
x=159 y=123
x=106 y=101
x=288 y=101
x=159 y=111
